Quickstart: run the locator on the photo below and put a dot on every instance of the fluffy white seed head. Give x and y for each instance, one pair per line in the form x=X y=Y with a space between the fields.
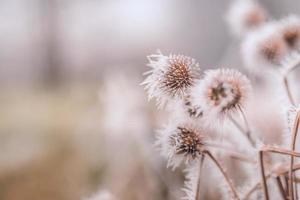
x=170 y=77
x=181 y=143
x=221 y=91
x=264 y=48
x=244 y=16
x=290 y=30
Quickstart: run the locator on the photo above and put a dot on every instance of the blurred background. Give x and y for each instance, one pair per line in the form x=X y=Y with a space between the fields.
x=74 y=120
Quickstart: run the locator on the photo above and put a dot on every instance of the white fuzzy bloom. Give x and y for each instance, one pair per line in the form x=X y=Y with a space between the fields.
x=170 y=76
x=244 y=16
x=180 y=143
x=264 y=48
x=221 y=91
x=290 y=30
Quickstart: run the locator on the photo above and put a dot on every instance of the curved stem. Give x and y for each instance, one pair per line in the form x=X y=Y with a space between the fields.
x=199 y=178
x=274 y=150
x=227 y=179
x=248 y=131
x=263 y=176
x=269 y=175
x=232 y=153
x=285 y=81
x=288 y=90
x=241 y=129
x=280 y=187
x=293 y=146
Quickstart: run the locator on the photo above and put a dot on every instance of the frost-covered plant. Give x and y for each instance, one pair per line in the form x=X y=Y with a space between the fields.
x=203 y=102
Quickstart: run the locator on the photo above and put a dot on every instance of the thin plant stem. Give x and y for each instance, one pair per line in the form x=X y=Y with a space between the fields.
x=248 y=131
x=269 y=175
x=232 y=153
x=280 y=187
x=273 y=150
x=226 y=177
x=287 y=184
x=238 y=126
x=242 y=130
x=284 y=183
x=199 y=177
x=296 y=184
x=263 y=176
x=286 y=83
x=293 y=146
x=288 y=90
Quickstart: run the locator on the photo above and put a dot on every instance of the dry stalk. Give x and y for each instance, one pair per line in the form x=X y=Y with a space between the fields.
x=293 y=146
x=225 y=175
x=199 y=178
x=273 y=150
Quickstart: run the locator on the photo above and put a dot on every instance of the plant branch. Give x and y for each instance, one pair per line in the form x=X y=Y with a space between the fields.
x=227 y=179
x=199 y=177
x=288 y=90
x=246 y=132
x=232 y=153
x=281 y=188
x=293 y=146
x=263 y=176
x=271 y=174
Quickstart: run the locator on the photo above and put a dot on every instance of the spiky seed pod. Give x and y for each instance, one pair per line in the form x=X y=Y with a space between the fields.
x=181 y=143
x=221 y=91
x=244 y=16
x=187 y=142
x=290 y=29
x=170 y=76
x=264 y=48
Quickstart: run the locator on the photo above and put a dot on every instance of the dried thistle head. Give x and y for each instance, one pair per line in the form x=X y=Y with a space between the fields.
x=290 y=29
x=264 y=48
x=245 y=15
x=170 y=77
x=187 y=141
x=181 y=143
x=222 y=91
